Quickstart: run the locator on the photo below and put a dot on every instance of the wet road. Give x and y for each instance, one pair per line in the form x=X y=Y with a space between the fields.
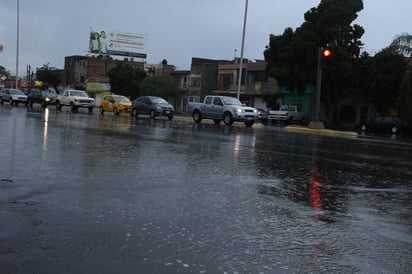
x=82 y=193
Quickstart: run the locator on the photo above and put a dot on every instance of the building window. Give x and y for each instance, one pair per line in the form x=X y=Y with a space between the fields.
x=195 y=82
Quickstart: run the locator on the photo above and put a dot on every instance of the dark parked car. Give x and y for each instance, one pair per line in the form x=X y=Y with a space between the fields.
x=13 y=96
x=386 y=123
x=42 y=97
x=153 y=106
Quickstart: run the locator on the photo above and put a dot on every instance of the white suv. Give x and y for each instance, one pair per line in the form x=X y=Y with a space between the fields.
x=75 y=99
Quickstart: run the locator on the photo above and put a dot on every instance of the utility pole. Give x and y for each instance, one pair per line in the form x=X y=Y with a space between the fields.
x=241 y=52
x=17 y=50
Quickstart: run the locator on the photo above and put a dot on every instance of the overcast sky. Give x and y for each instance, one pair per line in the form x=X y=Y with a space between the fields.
x=177 y=30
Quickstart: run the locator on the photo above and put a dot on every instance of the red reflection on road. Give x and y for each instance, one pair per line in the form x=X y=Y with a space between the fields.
x=315 y=200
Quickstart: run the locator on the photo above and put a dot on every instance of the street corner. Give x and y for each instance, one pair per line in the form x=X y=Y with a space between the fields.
x=329 y=132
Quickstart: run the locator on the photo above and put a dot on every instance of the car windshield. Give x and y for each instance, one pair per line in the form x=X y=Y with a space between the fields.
x=121 y=99
x=17 y=92
x=47 y=93
x=231 y=101
x=78 y=93
x=159 y=100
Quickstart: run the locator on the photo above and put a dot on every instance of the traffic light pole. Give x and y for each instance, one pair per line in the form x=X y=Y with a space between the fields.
x=315 y=123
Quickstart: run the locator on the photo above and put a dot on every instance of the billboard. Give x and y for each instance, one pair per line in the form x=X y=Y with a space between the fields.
x=117 y=43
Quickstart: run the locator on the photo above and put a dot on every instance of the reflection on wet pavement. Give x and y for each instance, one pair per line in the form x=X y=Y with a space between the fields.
x=88 y=193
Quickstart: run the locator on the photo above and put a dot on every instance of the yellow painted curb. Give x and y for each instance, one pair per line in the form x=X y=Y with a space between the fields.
x=320 y=131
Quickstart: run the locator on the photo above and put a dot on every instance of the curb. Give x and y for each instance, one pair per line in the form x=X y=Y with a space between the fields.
x=320 y=131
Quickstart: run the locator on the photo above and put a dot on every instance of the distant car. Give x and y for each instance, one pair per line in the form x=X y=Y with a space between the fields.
x=153 y=106
x=42 y=97
x=262 y=115
x=13 y=96
x=116 y=104
x=75 y=99
x=386 y=123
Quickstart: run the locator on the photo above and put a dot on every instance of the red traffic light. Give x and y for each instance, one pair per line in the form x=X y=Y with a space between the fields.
x=326 y=53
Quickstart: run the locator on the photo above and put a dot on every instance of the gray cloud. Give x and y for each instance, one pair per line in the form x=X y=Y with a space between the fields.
x=177 y=29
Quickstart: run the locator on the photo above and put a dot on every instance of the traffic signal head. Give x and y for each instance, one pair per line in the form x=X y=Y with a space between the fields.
x=326 y=53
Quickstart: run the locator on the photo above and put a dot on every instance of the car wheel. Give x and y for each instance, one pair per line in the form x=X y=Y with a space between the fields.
x=227 y=118
x=170 y=118
x=2 y=101
x=197 y=117
x=216 y=121
x=115 y=112
x=90 y=109
x=152 y=114
x=101 y=110
x=43 y=105
x=249 y=123
x=134 y=112
x=11 y=102
x=16 y=104
x=31 y=103
x=72 y=107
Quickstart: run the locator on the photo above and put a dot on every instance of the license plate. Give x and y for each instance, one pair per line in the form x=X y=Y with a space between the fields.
x=167 y=111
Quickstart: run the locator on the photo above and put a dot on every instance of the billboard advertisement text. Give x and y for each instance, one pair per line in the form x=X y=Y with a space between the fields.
x=118 y=43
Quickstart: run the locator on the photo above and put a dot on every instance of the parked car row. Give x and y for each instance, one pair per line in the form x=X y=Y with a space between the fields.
x=154 y=106
x=145 y=105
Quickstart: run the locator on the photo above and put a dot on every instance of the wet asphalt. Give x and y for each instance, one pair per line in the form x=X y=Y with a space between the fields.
x=85 y=193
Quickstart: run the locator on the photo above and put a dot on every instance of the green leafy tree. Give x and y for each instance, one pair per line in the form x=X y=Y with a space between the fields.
x=364 y=75
x=126 y=79
x=4 y=72
x=389 y=69
x=49 y=75
x=292 y=56
x=160 y=85
x=403 y=45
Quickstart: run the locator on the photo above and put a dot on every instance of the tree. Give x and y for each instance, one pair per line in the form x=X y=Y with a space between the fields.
x=126 y=79
x=160 y=85
x=49 y=75
x=388 y=71
x=4 y=72
x=402 y=44
x=292 y=56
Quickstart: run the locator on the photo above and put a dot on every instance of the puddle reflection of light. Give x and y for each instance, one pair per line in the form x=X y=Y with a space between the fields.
x=315 y=200
x=45 y=129
x=237 y=145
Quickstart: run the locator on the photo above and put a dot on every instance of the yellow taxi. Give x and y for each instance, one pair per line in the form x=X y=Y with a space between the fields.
x=116 y=104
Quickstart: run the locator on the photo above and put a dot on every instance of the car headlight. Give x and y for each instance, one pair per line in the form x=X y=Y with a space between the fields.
x=239 y=110
x=47 y=99
x=159 y=108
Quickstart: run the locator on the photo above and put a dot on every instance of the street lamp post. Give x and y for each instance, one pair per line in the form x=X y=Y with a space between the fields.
x=241 y=52
x=17 y=48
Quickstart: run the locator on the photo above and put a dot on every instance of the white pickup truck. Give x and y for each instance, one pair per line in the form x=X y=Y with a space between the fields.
x=218 y=108
x=74 y=99
x=286 y=113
